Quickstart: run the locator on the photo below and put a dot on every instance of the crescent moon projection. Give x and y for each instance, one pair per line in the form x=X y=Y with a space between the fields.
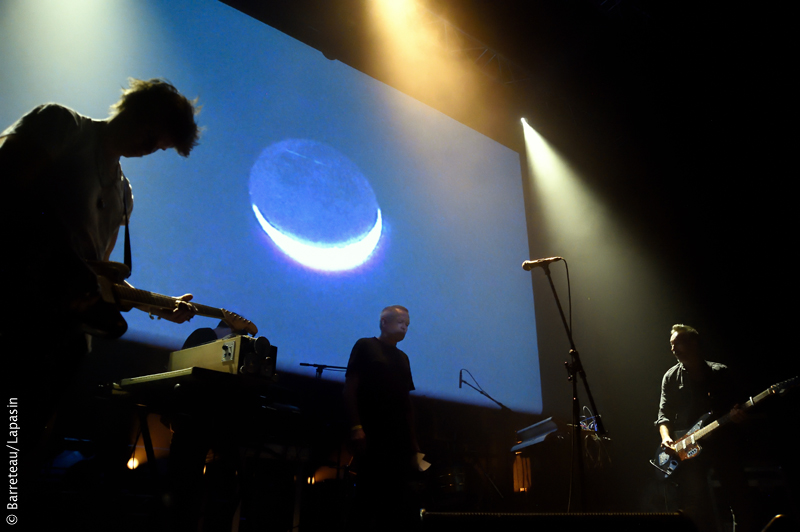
x=315 y=205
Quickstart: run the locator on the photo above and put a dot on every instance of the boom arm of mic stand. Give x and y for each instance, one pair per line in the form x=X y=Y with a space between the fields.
x=492 y=399
x=321 y=367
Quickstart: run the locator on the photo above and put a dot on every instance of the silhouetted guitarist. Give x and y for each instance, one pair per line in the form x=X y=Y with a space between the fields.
x=64 y=198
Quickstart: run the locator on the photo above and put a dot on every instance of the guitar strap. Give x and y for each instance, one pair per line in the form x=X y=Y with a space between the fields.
x=127 y=235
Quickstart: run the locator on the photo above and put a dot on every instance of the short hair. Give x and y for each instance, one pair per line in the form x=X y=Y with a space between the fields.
x=680 y=328
x=159 y=102
x=391 y=309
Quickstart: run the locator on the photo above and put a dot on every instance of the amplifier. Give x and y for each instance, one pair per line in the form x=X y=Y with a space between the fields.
x=233 y=354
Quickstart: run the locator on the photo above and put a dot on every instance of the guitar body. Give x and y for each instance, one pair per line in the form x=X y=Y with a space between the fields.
x=686 y=448
x=103 y=318
x=665 y=463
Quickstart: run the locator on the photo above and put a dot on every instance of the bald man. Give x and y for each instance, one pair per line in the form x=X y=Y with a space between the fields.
x=377 y=386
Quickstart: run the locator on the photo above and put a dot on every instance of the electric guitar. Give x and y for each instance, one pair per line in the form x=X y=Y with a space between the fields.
x=104 y=318
x=688 y=447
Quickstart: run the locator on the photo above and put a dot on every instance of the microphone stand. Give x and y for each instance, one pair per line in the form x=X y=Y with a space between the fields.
x=492 y=399
x=503 y=408
x=575 y=367
x=322 y=367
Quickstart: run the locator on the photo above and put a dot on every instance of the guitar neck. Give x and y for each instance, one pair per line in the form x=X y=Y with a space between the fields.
x=134 y=296
x=724 y=420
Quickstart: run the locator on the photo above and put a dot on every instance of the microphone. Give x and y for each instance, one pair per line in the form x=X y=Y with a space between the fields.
x=528 y=265
x=459 y=377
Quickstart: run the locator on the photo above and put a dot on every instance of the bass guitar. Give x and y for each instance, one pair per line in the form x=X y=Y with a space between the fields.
x=687 y=446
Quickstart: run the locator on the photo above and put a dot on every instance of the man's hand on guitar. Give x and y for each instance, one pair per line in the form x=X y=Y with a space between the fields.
x=669 y=446
x=667 y=443
x=183 y=311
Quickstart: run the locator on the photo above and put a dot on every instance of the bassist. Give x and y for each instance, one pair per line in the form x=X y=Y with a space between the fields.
x=691 y=388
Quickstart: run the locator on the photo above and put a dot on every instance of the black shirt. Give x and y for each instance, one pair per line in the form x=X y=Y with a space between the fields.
x=684 y=400
x=384 y=380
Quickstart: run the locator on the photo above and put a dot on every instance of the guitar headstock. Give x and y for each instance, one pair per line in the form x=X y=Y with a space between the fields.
x=238 y=323
x=784 y=386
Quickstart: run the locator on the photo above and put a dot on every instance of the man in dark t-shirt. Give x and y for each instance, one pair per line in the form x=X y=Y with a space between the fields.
x=377 y=386
x=689 y=389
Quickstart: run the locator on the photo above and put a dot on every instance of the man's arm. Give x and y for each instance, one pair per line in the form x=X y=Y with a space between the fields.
x=412 y=421
x=357 y=435
x=666 y=438
x=664 y=415
x=412 y=424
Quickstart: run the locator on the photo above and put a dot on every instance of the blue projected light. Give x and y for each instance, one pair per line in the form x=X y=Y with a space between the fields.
x=315 y=205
